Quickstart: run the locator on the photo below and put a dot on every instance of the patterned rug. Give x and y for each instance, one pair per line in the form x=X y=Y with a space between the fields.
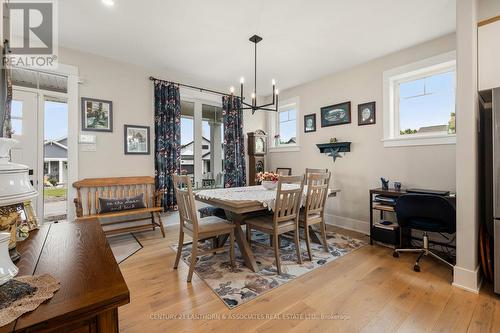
x=240 y=285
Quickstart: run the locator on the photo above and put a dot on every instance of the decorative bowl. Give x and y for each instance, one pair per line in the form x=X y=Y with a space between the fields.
x=269 y=185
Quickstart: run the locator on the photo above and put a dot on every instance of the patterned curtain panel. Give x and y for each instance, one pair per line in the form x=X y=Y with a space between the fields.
x=234 y=145
x=167 y=140
x=5 y=99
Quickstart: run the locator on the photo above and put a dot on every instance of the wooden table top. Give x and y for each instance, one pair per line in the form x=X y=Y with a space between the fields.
x=78 y=255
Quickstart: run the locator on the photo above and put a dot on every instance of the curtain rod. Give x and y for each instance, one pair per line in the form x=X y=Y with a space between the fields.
x=192 y=87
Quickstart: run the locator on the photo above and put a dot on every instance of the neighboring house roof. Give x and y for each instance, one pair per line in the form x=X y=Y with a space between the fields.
x=56 y=149
x=436 y=128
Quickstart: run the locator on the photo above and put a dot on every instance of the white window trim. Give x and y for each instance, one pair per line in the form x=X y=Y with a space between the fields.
x=273 y=127
x=392 y=138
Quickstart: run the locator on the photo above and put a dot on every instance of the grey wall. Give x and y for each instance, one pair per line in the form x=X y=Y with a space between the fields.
x=423 y=166
x=131 y=91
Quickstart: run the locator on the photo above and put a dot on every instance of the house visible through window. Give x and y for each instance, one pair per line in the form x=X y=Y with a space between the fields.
x=287 y=127
x=419 y=102
x=427 y=105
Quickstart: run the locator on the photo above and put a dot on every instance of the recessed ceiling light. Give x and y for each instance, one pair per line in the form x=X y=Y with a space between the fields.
x=109 y=3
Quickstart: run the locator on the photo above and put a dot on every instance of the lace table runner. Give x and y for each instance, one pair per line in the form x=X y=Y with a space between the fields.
x=250 y=193
x=24 y=294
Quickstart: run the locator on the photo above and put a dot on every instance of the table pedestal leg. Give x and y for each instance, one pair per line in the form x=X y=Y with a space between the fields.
x=240 y=238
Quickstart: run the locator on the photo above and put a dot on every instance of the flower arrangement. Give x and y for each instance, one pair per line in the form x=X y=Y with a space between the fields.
x=267 y=176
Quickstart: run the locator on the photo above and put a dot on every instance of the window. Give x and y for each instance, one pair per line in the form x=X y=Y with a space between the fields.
x=283 y=126
x=17 y=117
x=419 y=103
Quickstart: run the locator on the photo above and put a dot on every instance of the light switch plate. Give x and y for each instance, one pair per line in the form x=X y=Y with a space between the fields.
x=87 y=138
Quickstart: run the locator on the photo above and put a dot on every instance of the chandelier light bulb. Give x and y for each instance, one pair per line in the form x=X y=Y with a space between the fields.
x=231 y=90
x=253 y=95
x=273 y=82
x=277 y=91
x=242 y=80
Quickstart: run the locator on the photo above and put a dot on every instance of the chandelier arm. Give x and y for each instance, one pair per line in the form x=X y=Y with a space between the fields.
x=267 y=109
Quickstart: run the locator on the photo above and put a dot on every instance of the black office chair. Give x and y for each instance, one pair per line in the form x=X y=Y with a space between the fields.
x=428 y=213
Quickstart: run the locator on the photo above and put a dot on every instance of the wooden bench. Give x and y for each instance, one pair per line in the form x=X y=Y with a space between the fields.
x=91 y=189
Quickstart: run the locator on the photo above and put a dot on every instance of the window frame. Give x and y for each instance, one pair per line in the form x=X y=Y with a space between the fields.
x=286 y=105
x=392 y=78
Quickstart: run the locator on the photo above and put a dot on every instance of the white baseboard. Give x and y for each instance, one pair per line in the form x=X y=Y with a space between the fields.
x=467 y=279
x=348 y=223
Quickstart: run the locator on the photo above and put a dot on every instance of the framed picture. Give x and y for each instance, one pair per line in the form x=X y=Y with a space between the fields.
x=366 y=114
x=97 y=115
x=136 y=140
x=337 y=114
x=310 y=123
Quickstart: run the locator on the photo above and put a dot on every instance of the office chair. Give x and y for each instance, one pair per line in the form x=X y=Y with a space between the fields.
x=428 y=213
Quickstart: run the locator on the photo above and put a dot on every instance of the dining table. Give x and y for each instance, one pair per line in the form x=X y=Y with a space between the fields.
x=240 y=203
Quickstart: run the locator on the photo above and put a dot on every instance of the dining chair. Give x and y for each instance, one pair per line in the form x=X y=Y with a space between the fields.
x=198 y=229
x=309 y=171
x=284 y=171
x=314 y=208
x=284 y=219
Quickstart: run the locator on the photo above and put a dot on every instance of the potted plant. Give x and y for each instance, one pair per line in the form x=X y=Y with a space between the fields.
x=268 y=180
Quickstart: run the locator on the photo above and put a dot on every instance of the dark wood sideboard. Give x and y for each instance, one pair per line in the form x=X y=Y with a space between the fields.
x=92 y=286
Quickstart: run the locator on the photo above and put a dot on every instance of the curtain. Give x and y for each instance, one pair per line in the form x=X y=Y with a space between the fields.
x=5 y=97
x=234 y=145
x=167 y=140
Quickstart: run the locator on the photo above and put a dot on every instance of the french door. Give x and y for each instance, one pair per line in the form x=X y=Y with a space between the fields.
x=40 y=124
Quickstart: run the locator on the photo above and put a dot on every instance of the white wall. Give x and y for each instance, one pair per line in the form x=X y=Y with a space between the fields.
x=424 y=166
x=488 y=9
x=131 y=91
x=466 y=272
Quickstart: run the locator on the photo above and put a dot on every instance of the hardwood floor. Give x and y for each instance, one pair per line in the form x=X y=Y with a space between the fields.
x=368 y=291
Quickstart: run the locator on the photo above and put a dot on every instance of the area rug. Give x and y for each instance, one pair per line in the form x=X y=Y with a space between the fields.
x=236 y=286
x=124 y=246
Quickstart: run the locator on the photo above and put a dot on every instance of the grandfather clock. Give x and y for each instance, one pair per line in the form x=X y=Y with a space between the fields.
x=257 y=149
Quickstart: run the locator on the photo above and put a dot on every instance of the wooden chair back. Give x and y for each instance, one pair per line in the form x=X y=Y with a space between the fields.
x=185 y=202
x=317 y=191
x=284 y=171
x=288 y=201
x=309 y=171
x=89 y=191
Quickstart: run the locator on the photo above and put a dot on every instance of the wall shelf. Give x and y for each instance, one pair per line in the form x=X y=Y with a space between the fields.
x=334 y=149
x=342 y=147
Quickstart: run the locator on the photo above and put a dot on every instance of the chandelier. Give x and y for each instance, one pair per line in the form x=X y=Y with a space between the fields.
x=273 y=106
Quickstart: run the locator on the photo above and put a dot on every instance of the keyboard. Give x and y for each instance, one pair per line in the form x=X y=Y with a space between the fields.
x=423 y=191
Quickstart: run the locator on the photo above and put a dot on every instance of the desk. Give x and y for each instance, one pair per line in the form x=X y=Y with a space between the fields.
x=391 y=193
x=77 y=254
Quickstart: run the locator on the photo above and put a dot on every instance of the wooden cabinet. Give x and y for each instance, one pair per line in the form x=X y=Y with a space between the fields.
x=489 y=55
x=78 y=255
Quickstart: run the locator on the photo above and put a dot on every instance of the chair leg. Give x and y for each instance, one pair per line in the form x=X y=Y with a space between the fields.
x=214 y=244
x=231 y=249
x=194 y=254
x=277 y=253
x=179 y=248
x=160 y=222
x=153 y=221
x=308 y=241
x=323 y=235
x=297 y=246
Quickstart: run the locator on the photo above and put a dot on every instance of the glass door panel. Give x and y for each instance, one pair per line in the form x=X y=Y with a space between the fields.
x=55 y=161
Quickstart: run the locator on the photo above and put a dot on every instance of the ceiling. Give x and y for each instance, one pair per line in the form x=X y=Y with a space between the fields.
x=206 y=42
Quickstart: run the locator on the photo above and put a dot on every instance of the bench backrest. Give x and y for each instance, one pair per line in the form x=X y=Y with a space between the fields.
x=89 y=191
